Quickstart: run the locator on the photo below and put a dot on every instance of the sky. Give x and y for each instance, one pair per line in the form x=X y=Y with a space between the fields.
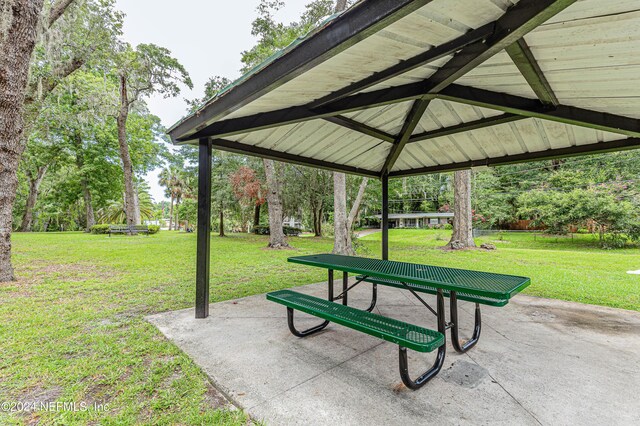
x=206 y=36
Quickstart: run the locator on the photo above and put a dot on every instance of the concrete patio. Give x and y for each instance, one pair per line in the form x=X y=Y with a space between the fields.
x=538 y=361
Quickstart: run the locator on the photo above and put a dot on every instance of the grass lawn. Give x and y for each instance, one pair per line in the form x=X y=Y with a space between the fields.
x=72 y=328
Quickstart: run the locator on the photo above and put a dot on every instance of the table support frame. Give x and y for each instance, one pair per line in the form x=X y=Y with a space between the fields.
x=477 y=328
x=439 y=362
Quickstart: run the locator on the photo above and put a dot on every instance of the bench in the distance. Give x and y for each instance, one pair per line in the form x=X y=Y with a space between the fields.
x=128 y=229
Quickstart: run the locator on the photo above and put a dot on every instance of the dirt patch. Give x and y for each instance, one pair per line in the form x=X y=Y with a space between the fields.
x=98 y=394
x=279 y=248
x=38 y=396
x=448 y=249
x=213 y=398
x=568 y=318
x=37 y=272
x=597 y=320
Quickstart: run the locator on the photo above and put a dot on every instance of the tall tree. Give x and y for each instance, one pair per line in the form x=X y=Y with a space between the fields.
x=40 y=155
x=249 y=191
x=170 y=179
x=277 y=239
x=272 y=37
x=18 y=35
x=462 y=236
x=141 y=72
x=316 y=185
x=342 y=223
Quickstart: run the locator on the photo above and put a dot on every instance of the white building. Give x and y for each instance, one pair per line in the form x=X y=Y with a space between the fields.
x=417 y=220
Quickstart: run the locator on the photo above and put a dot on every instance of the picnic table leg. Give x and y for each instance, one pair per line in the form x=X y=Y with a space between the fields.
x=442 y=350
x=317 y=328
x=345 y=286
x=330 y=284
x=374 y=298
x=455 y=340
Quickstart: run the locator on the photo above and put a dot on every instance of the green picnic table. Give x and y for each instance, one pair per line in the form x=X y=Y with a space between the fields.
x=481 y=288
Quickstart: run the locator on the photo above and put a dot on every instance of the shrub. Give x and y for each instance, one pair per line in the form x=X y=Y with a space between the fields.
x=448 y=227
x=634 y=232
x=100 y=229
x=327 y=229
x=288 y=230
x=104 y=229
x=261 y=230
x=291 y=231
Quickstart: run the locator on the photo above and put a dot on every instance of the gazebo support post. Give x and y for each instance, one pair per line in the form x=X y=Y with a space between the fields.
x=204 y=229
x=385 y=217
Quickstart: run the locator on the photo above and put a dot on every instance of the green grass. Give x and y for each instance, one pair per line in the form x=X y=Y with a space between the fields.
x=72 y=328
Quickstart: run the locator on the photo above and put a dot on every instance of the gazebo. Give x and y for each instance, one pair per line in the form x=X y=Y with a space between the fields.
x=393 y=88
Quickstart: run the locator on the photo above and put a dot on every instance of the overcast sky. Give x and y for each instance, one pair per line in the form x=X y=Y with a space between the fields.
x=206 y=36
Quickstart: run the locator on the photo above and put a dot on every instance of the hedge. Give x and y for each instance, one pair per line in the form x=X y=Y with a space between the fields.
x=288 y=230
x=104 y=229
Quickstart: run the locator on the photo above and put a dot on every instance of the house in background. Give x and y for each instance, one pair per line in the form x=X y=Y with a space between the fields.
x=293 y=222
x=417 y=220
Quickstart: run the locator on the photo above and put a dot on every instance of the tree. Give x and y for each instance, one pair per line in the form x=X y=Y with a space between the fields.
x=249 y=191
x=315 y=184
x=40 y=155
x=212 y=88
x=342 y=223
x=462 y=236
x=19 y=32
x=171 y=179
x=274 y=36
x=116 y=213
x=148 y=69
x=277 y=239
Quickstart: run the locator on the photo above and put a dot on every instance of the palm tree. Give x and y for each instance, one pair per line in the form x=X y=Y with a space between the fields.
x=185 y=189
x=115 y=211
x=171 y=179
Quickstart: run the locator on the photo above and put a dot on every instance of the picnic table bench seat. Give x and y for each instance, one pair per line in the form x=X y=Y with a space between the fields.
x=421 y=288
x=407 y=335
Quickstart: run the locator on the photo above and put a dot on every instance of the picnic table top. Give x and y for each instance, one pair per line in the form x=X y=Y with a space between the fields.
x=487 y=284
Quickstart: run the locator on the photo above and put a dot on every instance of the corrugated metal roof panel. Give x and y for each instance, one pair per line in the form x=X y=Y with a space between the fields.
x=589 y=53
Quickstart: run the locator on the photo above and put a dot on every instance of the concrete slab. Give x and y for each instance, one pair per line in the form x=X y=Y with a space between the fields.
x=538 y=361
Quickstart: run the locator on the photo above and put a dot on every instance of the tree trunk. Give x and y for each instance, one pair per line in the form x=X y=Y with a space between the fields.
x=355 y=209
x=176 y=222
x=221 y=220
x=256 y=215
x=463 y=216
x=131 y=199
x=277 y=238
x=171 y=213
x=34 y=187
x=16 y=46
x=342 y=234
x=316 y=209
x=343 y=224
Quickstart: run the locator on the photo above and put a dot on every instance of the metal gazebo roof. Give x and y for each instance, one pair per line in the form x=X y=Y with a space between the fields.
x=404 y=87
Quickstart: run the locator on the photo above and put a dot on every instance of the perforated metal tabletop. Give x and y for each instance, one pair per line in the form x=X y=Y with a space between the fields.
x=487 y=284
